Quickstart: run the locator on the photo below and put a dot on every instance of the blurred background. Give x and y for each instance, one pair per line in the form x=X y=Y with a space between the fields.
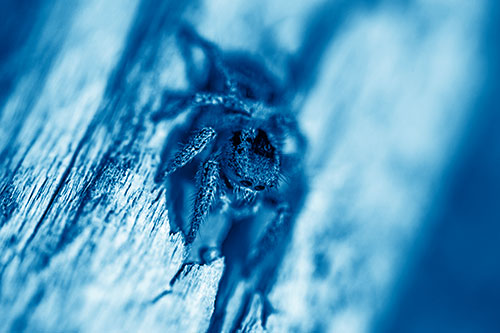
x=398 y=99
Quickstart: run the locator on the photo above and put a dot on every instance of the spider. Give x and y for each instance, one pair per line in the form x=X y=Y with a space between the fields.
x=241 y=144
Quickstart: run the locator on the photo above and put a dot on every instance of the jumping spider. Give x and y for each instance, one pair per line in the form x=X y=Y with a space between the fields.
x=242 y=138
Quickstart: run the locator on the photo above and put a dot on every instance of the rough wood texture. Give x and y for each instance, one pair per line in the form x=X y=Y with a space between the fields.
x=85 y=239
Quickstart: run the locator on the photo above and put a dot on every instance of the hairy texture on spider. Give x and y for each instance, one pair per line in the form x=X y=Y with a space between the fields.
x=208 y=179
x=197 y=142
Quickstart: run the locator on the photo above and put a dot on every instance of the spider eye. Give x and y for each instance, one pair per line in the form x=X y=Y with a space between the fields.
x=259 y=187
x=246 y=183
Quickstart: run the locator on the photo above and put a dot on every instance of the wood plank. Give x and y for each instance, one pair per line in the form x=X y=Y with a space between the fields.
x=85 y=238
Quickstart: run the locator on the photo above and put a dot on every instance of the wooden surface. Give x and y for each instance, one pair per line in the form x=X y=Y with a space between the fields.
x=85 y=238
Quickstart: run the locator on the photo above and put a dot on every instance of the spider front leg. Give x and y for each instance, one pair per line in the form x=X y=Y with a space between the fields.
x=208 y=181
x=195 y=145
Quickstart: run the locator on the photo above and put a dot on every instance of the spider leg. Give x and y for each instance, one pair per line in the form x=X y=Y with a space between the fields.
x=208 y=180
x=228 y=101
x=235 y=104
x=274 y=232
x=188 y=36
x=195 y=145
x=172 y=104
x=177 y=103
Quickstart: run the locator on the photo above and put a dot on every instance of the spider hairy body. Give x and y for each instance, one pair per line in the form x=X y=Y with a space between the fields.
x=242 y=146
